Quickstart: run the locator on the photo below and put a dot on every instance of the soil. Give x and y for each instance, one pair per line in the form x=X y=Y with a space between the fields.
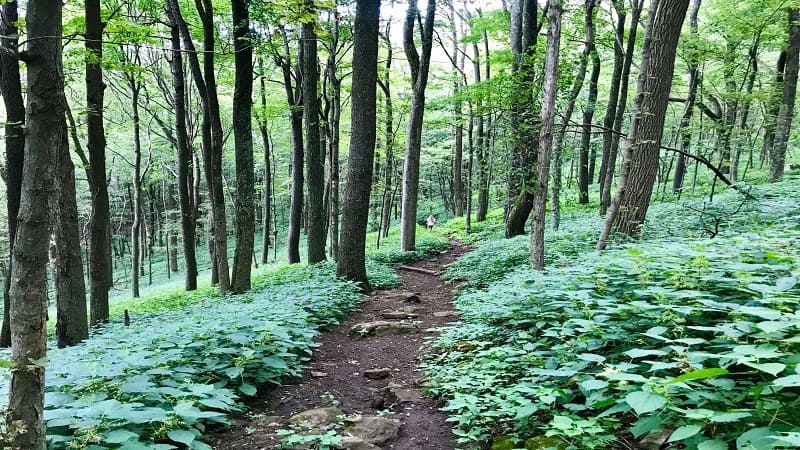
x=335 y=374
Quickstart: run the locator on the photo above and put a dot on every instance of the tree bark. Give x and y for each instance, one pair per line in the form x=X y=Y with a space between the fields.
x=458 y=128
x=350 y=262
x=546 y=132
x=267 y=201
x=640 y=158
x=420 y=65
x=688 y=111
x=11 y=90
x=335 y=87
x=136 y=204
x=577 y=86
x=184 y=153
x=786 y=112
x=315 y=170
x=46 y=132
x=388 y=131
x=484 y=144
x=243 y=146
x=72 y=326
x=522 y=179
x=100 y=219
x=613 y=91
x=587 y=158
x=608 y=178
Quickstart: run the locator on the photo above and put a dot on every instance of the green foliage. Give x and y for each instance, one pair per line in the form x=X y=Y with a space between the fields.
x=698 y=336
x=162 y=380
x=389 y=253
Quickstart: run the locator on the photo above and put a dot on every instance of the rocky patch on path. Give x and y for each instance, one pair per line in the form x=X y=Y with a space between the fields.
x=383 y=328
x=358 y=432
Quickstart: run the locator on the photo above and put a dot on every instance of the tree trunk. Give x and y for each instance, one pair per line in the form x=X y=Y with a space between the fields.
x=71 y=323
x=608 y=178
x=11 y=90
x=350 y=262
x=420 y=65
x=586 y=159
x=640 y=158
x=549 y=93
x=786 y=112
x=577 y=86
x=294 y=99
x=136 y=204
x=315 y=170
x=100 y=219
x=267 y=201
x=458 y=128
x=522 y=179
x=688 y=111
x=46 y=132
x=172 y=219
x=243 y=146
x=614 y=90
x=388 y=130
x=335 y=86
x=484 y=144
x=184 y=153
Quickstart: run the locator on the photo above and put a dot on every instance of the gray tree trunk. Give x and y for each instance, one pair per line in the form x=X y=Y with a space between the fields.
x=420 y=64
x=46 y=133
x=550 y=91
x=786 y=112
x=350 y=262
x=640 y=158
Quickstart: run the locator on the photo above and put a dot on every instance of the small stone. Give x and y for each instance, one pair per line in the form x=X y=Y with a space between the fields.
x=377 y=374
x=319 y=374
x=441 y=314
x=355 y=443
x=375 y=430
x=270 y=421
x=319 y=419
x=395 y=394
x=655 y=440
x=403 y=296
x=383 y=328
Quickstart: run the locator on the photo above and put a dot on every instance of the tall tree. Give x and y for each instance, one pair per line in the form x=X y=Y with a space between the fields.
x=11 y=90
x=389 y=184
x=642 y=147
x=457 y=59
x=484 y=138
x=333 y=133
x=184 y=153
x=46 y=133
x=211 y=131
x=100 y=219
x=265 y=139
x=587 y=157
x=577 y=86
x=546 y=132
x=786 y=112
x=71 y=322
x=691 y=97
x=350 y=263
x=243 y=146
x=522 y=175
x=420 y=65
x=619 y=113
x=315 y=172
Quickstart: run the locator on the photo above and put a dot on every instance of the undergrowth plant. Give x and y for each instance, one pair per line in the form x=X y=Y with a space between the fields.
x=692 y=340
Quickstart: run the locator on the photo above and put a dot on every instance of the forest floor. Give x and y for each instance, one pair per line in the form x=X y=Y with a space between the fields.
x=357 y=382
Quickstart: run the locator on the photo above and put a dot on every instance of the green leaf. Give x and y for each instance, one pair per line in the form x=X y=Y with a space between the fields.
x=771 y=368
x=712 y=445
x=642 y=352
x=248 y=389
x=593 y=384
x=684 y=432
x=646 y=425
x=755 y=439
x=645 y=401
x=698 y=375
x=772 y=326
x=120 y=436
x=730 y=417
x=788 y=381
x=185 y=437
x=233 y=372
x=789 y=438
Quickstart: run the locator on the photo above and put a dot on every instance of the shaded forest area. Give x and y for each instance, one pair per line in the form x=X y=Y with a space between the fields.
x=162 y=155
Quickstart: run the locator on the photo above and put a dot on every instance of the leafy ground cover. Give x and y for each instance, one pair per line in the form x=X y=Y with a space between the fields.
x=680 y=338
x=188 y=358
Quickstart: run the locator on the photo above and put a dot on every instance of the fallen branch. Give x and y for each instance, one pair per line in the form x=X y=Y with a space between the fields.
x=419 y=269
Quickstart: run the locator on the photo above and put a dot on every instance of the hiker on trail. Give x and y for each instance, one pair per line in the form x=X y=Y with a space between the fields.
x=430 y=222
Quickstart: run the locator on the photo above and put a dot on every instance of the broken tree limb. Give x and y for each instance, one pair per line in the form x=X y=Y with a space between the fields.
x=419 y=269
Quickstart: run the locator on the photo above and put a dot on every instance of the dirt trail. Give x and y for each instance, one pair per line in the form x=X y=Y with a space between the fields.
x=335 y=375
